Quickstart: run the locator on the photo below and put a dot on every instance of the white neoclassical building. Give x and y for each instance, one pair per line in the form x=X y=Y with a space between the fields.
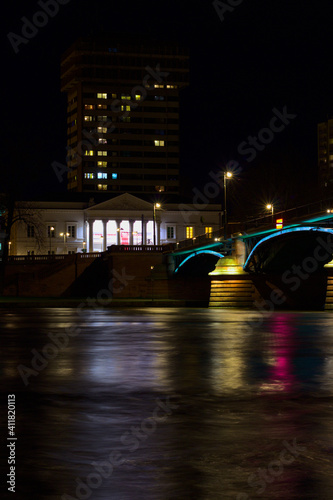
x=71 y=227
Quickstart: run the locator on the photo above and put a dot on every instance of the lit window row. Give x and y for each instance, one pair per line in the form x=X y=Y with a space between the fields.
x=102 y=187
x=103 y=95
x=159 y=143
x=91 y=152
x=100 y=175
x=100 y=118
x=98 y=106
x=157 y=86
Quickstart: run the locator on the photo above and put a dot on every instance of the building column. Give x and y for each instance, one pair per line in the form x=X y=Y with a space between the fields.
x=158 y=231
x=131 y=223
x=105 y=235
x=118 y=222
x=143 y=231
x=91 y=236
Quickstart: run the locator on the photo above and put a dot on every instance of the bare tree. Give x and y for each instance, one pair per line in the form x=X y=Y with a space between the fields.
x=18 y=212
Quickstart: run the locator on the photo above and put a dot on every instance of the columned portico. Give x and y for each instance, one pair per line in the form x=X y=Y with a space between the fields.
x=105 y=235
x=91 y=236
x=131 y=222
x=143 y=231
x=118 y=222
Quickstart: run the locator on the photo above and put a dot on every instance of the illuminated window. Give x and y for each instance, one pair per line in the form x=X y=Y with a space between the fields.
x=72 y=231
x=102 y=118
x=102 y=130
x=138 y=97
x=102 y=175
x=102 y=106
x=159 y=143
x=89 y=175
x=102 y=187
x=30 y=231
x=114 y=176
x=156 y=86
x=170 y=232
x=101 y=140
x=209 y=231
x=88 y=118
x=160 y=189
x=102 y=96
x=89 y=106
x=102 y=153
x=189 y=232
x=102 y=163
x=125 y=108
x=126 y=97
x=89 y=152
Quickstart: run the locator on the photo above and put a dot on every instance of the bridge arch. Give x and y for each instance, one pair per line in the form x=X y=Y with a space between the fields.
x=259 y=255
x=218 y=255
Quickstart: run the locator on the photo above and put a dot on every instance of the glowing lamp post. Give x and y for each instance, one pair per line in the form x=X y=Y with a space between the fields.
x=65 y=235
x=51 y=236
x=271 y=207
x=156 y=205
x=226 y=176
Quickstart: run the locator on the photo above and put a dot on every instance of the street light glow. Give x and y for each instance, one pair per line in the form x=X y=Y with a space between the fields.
x=229 y=174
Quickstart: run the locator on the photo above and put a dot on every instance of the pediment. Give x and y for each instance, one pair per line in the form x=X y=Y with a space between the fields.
x=124 y=202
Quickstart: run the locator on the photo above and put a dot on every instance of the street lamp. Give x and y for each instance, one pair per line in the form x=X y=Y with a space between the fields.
x=271 y=207
x=226 y=175
x=156 y=205
x=65 y=235
x=51 y=236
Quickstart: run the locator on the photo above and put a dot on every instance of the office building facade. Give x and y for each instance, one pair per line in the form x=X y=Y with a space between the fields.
x=123 y=115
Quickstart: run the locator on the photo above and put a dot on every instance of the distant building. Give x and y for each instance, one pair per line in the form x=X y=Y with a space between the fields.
x=325 y=155
x=123 y=114
x=72 y=227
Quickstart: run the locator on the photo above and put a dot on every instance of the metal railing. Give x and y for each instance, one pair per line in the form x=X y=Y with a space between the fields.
x=136 y=248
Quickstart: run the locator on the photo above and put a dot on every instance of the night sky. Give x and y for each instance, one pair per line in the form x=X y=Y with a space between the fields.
x=262 y=56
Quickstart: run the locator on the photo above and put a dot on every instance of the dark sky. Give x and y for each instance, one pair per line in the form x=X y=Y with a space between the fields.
x=262 y=56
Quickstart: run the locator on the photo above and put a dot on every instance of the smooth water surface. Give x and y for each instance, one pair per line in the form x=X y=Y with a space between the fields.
x=159 y=403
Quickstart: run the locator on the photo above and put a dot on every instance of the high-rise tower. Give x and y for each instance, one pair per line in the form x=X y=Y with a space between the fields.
x=123 y=114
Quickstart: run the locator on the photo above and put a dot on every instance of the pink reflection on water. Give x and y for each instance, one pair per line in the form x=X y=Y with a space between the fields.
x=281 y=377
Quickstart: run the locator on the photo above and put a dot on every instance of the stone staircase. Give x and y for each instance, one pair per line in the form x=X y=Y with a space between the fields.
x=329 y=293
x=232 y=293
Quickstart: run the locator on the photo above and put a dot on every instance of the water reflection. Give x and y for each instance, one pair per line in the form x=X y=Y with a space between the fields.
x=242 y=393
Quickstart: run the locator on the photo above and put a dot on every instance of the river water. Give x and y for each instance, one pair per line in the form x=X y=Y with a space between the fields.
x=168 y=403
